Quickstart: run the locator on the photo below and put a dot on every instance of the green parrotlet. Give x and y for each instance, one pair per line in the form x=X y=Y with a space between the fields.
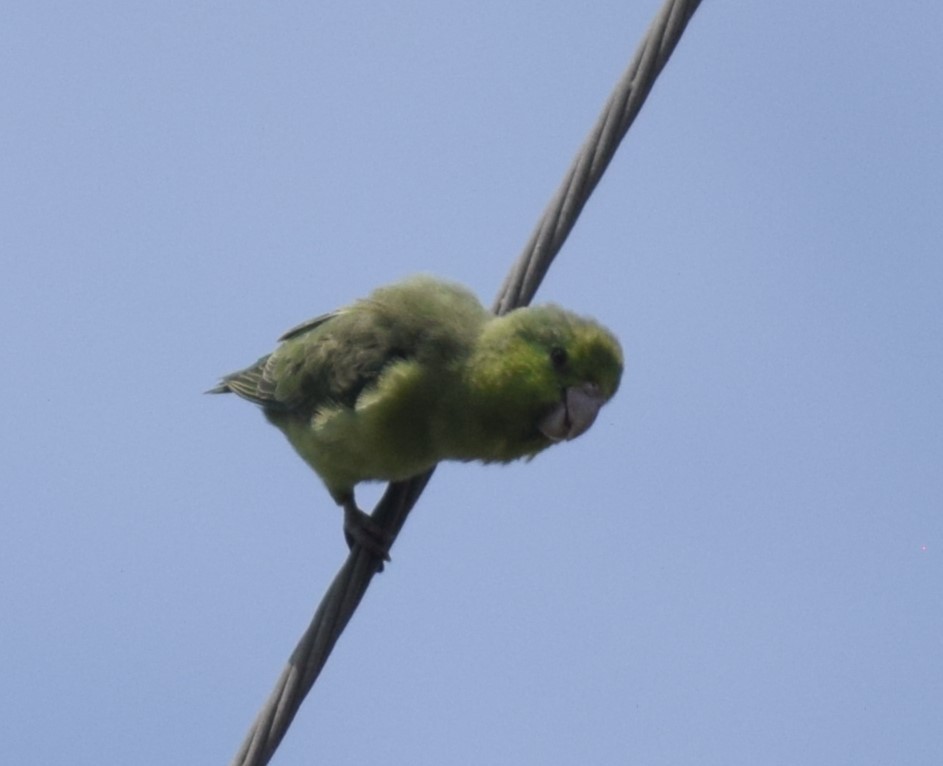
x=420 y=372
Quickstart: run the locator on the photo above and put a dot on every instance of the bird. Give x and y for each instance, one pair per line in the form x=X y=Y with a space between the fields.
x=419 y=372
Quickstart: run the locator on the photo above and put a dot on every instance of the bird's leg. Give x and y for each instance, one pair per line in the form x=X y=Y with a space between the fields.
x=360 y=528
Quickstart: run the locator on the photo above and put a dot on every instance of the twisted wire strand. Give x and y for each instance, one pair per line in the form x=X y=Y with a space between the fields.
x=351 y=582
x=594 y=155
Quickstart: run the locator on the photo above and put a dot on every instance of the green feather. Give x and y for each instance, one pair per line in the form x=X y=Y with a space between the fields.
x=421 y=372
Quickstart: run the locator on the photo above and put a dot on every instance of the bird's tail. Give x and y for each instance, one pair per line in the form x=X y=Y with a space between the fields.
x=247 y=383
x=221 y=388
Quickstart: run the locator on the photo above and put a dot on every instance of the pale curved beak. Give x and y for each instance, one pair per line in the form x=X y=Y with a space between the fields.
x=573 y=414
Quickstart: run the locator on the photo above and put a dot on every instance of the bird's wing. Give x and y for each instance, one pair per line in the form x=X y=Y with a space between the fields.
x=304 y=327
x=335 y=357
x=329 y=359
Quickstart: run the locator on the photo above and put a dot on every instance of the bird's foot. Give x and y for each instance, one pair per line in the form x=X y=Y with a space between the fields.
x=360 y=528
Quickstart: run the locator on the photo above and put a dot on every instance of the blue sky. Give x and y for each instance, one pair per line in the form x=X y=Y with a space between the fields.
x=741 y=563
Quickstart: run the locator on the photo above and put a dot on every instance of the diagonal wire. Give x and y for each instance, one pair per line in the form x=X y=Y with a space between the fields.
x=594 y=155
x=519 y=288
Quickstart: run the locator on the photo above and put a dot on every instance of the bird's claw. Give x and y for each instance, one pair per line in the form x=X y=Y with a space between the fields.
x=360 y=528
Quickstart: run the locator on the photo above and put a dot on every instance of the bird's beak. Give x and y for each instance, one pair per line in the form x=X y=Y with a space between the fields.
x=573 y=414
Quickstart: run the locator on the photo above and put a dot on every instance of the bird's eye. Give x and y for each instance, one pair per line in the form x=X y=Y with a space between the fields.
x=558 y=357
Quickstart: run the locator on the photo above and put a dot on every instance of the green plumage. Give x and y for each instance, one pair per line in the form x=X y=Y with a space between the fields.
x=421 y=372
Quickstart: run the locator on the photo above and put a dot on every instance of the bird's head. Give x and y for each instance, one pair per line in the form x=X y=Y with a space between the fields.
x=553 y=369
